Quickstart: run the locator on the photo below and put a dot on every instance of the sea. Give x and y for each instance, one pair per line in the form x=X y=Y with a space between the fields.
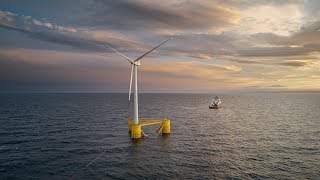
x=85 y=136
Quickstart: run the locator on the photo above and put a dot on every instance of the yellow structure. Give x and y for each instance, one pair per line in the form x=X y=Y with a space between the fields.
x=136 y=131
x=166 y=126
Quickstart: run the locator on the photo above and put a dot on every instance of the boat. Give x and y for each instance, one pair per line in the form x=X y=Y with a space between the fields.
x=215 y=104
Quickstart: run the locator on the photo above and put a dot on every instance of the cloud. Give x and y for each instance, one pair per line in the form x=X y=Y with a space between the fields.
x=276 y=86
x=278 y=18
x=303 y=42
x=151 y=15
x=39 y=23
x=6 y=16
x=93 y=40
x=201 y=56
x=241 y=61
x=308 y=34
x=271 y=39
x=273 y=51
x=209 y=73
x=297 y=63
x=198 y=46
x=209 y=47
x=95 y=69
x=212 y=46
x=36 y=22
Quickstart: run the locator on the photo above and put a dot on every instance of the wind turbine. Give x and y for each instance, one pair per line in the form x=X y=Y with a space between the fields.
x=134 y=76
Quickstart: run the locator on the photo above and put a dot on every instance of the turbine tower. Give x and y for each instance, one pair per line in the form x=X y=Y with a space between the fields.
x=134 y=76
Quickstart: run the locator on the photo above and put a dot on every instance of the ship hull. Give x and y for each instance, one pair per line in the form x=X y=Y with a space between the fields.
x=214 y=106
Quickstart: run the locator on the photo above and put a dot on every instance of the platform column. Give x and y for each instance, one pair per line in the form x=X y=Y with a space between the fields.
x=136 y=131
x=166 y=126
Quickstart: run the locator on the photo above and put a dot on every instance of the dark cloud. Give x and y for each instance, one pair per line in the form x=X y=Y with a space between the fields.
x=196 y=45
x=279 y=51
x=291 y=63
x=308 y=34
x=270 y=38
x=146 y=15
x=251 y=3
x=296 y=63
x=277 y=86
x=246 y=61
x=304 y=42
x=91 y=41
x=201 y=46
x=59 y=38
x=272 y=51
x=132 y=15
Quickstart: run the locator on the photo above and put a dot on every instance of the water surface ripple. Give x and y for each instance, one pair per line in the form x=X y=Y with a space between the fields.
x=254 y=136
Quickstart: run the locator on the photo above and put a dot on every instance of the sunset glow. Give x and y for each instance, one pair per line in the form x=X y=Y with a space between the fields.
x=217 y=45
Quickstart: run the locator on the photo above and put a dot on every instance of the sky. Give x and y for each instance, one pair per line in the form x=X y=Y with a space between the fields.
x=217 y=45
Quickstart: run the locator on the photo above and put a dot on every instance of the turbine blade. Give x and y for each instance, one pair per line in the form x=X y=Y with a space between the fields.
x=119 y=53
x=151 y=50
x=130 y=85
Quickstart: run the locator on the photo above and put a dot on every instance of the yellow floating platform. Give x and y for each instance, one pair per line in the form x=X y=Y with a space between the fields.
x=136 y=131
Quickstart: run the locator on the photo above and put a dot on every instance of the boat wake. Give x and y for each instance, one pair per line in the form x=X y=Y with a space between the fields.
x=190 y=108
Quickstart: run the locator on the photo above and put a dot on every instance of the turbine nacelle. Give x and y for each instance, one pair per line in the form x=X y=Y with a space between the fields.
x=137 y=63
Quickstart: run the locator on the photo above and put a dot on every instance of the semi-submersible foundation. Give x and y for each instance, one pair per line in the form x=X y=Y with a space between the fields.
x=136 y=129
